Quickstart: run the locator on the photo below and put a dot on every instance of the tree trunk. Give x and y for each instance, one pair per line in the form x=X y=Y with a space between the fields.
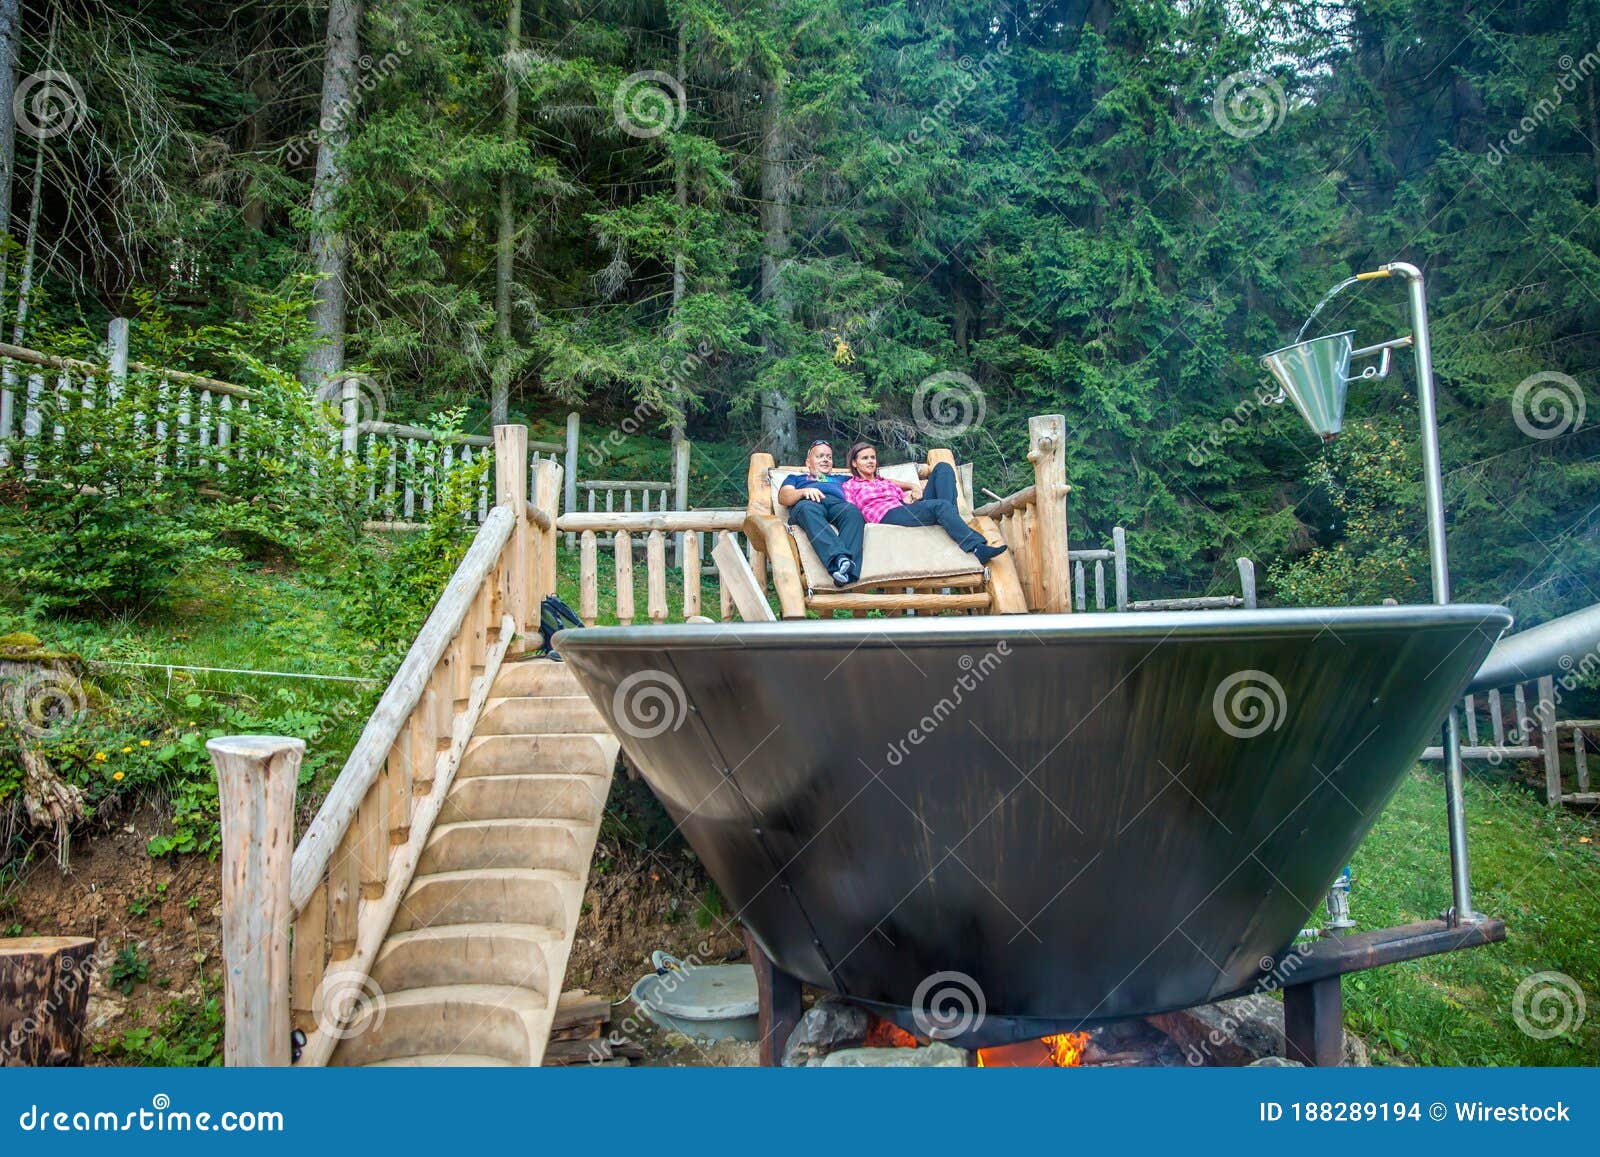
x=778 y=432
x=44 y=997
x=10 y=34
x=505 y=243
x=680 y=279
x=329 y=248
x=31 y=250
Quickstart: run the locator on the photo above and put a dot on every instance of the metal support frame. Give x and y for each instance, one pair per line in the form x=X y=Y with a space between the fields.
x=778 y=994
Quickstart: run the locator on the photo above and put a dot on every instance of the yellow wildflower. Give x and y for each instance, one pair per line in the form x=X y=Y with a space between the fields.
x=127 y=750
x=144 y=743
x=100 y=756
x=116 y=775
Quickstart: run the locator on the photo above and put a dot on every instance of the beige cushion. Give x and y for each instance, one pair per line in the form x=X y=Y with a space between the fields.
x=892 y=554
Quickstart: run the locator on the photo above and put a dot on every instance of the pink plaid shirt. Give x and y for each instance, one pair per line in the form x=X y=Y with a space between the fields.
x=875 y=496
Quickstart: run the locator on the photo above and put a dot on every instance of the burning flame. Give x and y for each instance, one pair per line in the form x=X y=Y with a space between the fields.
x=888 y=1035
x=1061 y=1051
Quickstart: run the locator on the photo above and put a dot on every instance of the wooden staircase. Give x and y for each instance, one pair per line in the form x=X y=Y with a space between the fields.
x=472 y=964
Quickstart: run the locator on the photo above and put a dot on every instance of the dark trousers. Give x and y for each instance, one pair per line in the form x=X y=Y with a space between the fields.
x=937 y=506
x=834 y=527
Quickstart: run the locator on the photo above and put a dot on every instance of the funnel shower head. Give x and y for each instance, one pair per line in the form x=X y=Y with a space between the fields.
x=1315 y=375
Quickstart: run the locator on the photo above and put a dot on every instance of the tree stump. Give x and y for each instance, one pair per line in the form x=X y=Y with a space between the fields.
x=44 y=998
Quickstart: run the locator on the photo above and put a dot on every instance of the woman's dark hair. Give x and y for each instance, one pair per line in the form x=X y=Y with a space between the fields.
x=850 y=458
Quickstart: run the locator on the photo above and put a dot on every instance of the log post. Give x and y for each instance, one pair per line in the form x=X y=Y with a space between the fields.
x=256 y=777
x=1247 y=582
x=570 y=505
x=680 y=492
x=44 y=997
x=511 y=489
x=1047 y=452
x=547 y=497
x=1119 y=548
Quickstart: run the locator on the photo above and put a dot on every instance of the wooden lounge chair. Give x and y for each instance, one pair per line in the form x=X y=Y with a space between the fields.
x=917 y=568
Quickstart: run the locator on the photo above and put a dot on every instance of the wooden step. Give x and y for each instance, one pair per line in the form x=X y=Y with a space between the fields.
x=553 y=797
x=576 y=754
x=511 y=954
x=487 y=895
x=441 y=1061
x=541 y=715
x=535 y=677
x=494 y=1020
x=518 y=842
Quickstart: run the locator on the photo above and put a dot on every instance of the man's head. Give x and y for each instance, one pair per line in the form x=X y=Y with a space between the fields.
x=819 y=459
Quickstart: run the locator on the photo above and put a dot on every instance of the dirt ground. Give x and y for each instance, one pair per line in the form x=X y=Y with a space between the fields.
x=168 y=909
x=646 y=892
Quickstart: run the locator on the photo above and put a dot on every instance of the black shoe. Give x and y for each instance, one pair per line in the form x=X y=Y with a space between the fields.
x=986 y=552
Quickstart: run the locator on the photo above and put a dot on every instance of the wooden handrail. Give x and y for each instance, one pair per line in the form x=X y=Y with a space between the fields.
x=624 y=486
x=50 y=361
x=399 y=699
x=1010 y=504
x=671 y=520
x=539 y=518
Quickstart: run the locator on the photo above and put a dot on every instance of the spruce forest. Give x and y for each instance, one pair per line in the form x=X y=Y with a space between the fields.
x=761 y=222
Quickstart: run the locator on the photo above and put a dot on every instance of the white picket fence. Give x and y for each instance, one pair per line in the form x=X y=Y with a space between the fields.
x=197 y=420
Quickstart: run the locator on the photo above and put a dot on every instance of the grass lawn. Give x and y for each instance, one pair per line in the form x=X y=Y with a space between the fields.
x=1536 y=868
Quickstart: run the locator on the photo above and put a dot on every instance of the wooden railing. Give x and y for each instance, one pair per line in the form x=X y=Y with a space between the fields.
x=192 y=418
x=618 y=530
x=1534 y=735
x=303 y=922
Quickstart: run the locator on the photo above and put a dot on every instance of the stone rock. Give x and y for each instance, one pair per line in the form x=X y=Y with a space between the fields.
x=938 y=1055
x=733 y=1054
x=1229 y=1034
x=1274 y=1063
x=1238 y=1032
x=826 y=1026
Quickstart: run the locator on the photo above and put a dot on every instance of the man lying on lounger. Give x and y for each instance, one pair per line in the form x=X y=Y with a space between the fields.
x=817 y=505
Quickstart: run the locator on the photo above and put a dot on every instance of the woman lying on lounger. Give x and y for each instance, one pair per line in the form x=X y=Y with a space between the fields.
x=909 y=503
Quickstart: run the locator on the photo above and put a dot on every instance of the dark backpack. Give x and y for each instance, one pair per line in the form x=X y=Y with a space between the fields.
x=555 y=615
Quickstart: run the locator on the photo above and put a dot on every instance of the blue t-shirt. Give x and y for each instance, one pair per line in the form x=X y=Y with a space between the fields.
x=832 y=484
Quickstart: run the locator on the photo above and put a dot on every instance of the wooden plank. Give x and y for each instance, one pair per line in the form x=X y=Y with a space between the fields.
x=914 y=600
x=671 y=521
x=655 y=575
x=1496 y=718
x=1580 y=757
x=739 y=582
x=1470 y=705
x=310 y=958
x=344 y=896
x=511 y=490
x=372 y=827
x=1119 y=555
x=1005 y=585
x=623 y=549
